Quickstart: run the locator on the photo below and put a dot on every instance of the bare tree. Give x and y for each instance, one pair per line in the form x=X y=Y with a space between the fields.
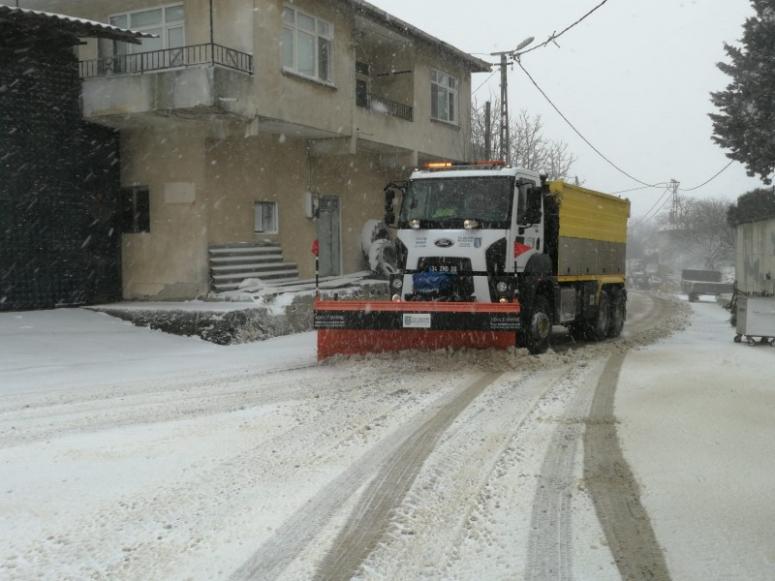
x=701 y=226
x=530 y=148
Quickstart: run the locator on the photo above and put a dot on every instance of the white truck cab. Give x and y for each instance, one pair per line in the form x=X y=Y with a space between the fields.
x=470 y=221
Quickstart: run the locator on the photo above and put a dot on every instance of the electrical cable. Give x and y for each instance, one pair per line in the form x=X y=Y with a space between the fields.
x=555 y=35
x=656 y=206
x=660 y=184
x=484 y=82
x=581 y=135
x=713 y=177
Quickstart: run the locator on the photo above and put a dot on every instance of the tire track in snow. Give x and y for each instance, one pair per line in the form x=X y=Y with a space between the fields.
x=420 y=434
x=371 y=516
x=550 y=554
x=614 y=490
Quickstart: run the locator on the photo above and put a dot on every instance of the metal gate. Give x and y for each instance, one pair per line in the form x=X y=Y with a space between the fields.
x=329 y=236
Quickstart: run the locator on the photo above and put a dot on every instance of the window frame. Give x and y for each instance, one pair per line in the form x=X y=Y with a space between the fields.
x=163 y=25
x=317 y=35
x=276 y=217
x=135 y=217
x=454 y=93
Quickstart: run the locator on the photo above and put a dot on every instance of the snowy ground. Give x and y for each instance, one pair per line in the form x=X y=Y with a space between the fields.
x=127 y=454
x=696 y=415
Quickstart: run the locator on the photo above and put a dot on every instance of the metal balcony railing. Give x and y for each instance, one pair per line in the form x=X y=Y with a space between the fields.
x=168 y=58
x=385 y=106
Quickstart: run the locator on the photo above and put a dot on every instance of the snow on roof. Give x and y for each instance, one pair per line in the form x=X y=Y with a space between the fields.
x=368 y=9
x=78 y=26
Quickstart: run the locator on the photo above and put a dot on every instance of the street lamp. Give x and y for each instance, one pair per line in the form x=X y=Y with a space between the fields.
x=504 y=133
x=524 y=44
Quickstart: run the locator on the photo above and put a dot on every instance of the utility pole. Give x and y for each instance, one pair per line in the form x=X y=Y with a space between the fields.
x=505 y=55
x=487 y=130
x=676 y=207
x=505 y=145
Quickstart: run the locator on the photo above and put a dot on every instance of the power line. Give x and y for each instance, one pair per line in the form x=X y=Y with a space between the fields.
x=660 y=184
x=484 y=82
x=577 y=132
x=662 y=199
x=555 y=35
x=710 y=179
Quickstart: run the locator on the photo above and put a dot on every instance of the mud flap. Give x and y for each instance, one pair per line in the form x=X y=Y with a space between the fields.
x=359 y=327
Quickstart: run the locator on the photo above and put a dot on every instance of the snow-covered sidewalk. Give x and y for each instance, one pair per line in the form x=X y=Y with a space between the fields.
x=68 y=348
x=697 y=426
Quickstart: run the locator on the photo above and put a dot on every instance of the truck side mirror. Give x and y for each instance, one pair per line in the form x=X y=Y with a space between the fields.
x=390 y=215
x=533 y=212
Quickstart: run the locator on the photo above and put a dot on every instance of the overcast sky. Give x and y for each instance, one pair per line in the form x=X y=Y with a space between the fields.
x=635 y=78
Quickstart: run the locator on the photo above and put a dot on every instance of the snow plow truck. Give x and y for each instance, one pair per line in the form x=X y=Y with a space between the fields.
x=489 y=256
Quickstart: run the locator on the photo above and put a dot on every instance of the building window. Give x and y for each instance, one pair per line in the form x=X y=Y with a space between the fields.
x=135 y=210
x=266 y=217
x=443 y=97
x=166 y=22
x=306 y=45
x=362 y=82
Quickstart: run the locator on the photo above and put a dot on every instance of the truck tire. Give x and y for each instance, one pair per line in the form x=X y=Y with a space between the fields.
x=618 y=313
x=598 y=329
x=539 y=327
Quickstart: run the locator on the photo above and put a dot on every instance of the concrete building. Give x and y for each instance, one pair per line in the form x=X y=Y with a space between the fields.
x=250 y=128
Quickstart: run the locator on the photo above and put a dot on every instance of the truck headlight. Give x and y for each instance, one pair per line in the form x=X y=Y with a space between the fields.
x=397 y=283
x=470 y=224
x=414 y=224
x=502 y=287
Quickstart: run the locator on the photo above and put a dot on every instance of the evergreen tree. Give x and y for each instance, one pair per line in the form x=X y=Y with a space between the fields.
x=745 y=124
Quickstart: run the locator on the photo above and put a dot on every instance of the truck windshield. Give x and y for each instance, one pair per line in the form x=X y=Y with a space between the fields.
x=448 y=202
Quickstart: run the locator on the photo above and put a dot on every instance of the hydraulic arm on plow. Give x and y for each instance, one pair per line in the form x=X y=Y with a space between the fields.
x=489 y=257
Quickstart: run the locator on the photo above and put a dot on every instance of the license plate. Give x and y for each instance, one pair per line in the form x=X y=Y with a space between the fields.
x=417 y=321
x=446 y=268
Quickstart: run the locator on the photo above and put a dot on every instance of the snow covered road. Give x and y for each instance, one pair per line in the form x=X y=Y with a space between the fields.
x=131 y=454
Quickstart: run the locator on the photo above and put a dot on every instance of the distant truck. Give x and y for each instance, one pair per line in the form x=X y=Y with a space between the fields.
x=703 y=282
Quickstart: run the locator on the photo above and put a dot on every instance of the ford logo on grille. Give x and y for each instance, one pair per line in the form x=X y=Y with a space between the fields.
x=444 y=243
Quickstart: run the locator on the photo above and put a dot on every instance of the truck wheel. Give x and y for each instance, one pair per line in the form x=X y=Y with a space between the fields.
x=539 y=327
x=618 y=313
x=598 y=330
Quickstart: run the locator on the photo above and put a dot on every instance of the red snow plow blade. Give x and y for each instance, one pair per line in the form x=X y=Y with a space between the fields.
x=357 y=327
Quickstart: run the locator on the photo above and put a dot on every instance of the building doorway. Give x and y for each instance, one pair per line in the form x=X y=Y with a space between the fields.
x=329 y=221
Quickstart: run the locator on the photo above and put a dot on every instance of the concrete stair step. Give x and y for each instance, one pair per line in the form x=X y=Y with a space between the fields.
x=287 y=270
x=245 y=258
x=234 y=265
x=240 y=250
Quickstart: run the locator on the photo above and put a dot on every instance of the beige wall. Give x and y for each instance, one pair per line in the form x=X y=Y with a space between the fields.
x=266 y=168
x=283 y=95
x=359 y=181
x=258 y=169
x=170 y=261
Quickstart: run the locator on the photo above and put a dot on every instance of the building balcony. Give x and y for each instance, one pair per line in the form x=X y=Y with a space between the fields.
x=167 y=59
x=385 y=106
x=203 y=79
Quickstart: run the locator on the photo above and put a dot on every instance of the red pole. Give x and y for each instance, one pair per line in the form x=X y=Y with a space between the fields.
x=316 y=253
